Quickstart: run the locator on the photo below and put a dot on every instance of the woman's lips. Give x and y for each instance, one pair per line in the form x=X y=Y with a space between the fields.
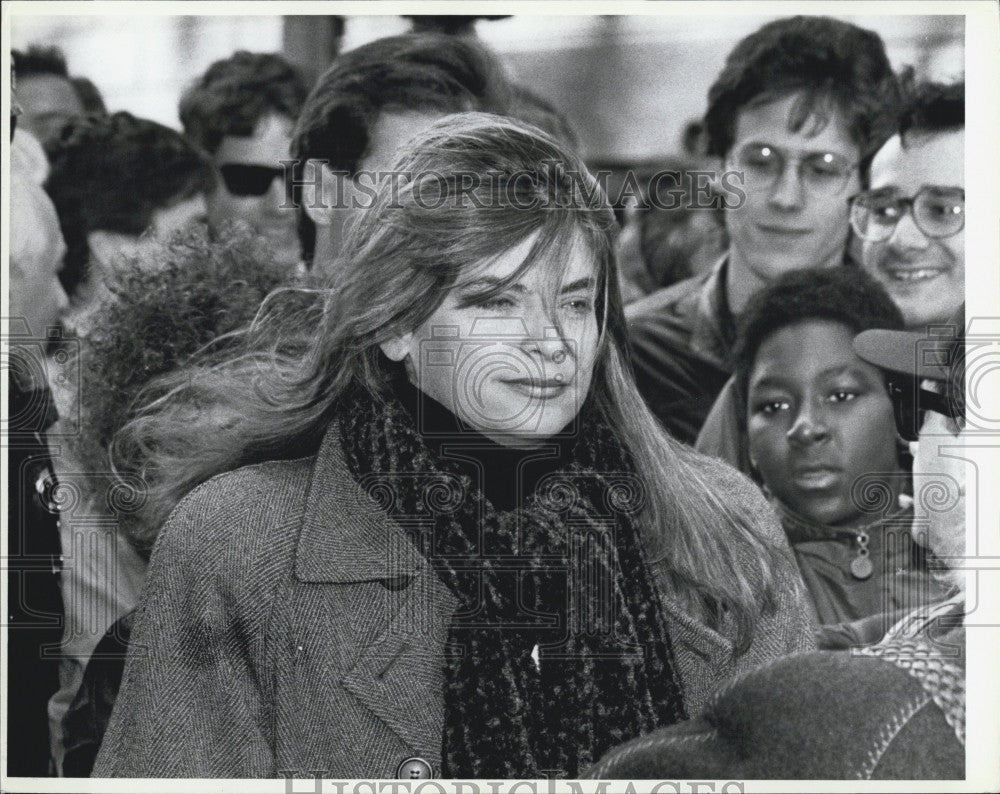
x=542 y=389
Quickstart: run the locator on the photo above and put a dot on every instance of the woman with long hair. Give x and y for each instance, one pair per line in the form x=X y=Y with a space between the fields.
x=424 y=523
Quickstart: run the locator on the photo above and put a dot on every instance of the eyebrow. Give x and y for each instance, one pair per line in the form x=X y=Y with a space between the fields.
x=778 y=381
x=586 y=283
x=485 y=283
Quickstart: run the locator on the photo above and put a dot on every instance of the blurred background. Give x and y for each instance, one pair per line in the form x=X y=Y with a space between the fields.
x=630 y=85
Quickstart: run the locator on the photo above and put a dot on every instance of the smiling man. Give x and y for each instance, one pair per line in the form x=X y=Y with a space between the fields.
x=912 y=221
x=796 y=114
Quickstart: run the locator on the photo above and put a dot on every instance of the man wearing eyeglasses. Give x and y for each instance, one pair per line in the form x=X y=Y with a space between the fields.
x=911 y=227
x=794 y=118
x=912 y=220
x=241 y=111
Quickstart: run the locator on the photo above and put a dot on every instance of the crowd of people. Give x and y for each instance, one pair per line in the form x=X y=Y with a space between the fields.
x=351 y=433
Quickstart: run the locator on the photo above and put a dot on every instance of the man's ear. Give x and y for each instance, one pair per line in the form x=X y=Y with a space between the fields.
x=397 y=348
x=321 y=191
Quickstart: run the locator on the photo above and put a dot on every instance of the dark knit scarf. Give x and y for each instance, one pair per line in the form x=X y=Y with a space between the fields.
x=564 y=573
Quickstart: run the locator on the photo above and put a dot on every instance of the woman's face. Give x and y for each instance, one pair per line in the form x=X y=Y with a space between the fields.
x=513 y=367
x=819 y=419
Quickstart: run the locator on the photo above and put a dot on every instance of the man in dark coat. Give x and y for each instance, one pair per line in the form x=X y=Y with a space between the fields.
x=34 y=615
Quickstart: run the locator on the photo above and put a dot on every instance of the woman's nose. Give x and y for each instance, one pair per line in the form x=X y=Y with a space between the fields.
x=542 y=335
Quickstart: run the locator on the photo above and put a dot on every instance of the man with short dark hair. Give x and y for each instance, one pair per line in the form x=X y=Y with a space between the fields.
x=113 y=179
x=372 y=100
x=242 y=111
x=796 y=114
x=46 y=94
x=911 y=224
x=912 y=220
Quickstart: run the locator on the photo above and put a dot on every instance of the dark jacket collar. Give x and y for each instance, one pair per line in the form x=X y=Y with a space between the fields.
x=713 y=330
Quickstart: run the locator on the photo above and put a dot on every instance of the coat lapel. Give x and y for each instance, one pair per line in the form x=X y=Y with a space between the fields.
x=348 y=538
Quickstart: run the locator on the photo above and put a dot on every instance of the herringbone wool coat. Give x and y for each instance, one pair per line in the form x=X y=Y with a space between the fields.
x=289 y=627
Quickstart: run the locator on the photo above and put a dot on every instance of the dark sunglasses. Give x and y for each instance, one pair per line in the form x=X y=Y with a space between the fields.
x=250 y=180
x=910 y=402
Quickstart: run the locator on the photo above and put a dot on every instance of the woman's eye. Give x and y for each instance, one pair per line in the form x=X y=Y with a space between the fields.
x=579 y=305
x=496 y=303
x=842 y=396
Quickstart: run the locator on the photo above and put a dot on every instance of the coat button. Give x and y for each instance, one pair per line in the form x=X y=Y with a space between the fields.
x=414 y=769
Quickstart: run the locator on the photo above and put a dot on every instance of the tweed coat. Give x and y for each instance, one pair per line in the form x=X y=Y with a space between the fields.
x=290 y=628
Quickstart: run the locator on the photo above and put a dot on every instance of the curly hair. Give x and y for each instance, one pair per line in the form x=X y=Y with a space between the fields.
x=235 y=93
x=845 y=295
x=113 y=173
x=181 y=296
x=825 y=59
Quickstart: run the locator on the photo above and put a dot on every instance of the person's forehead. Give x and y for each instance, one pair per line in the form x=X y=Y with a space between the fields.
x=390 y=132
x=42 y=92
x=268 y=145
x=806 y=349
x=769 y=122
x=571 y=262
x=923 y=159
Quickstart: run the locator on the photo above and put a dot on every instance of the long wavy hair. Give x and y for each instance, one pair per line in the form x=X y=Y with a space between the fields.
x=468 y=189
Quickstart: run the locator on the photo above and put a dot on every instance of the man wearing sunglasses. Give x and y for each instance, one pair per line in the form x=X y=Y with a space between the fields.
x=241 y=111
x=794 y=117
x=912 y=220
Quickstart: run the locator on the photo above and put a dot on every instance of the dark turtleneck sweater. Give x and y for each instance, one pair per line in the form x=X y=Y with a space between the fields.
x=507 y=475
